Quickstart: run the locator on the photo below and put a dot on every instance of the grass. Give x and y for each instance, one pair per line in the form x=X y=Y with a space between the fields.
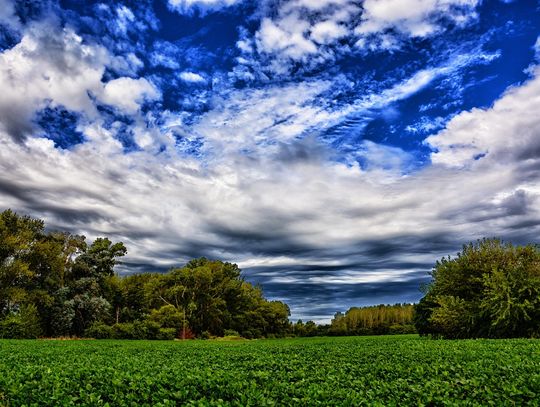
x=347 y=371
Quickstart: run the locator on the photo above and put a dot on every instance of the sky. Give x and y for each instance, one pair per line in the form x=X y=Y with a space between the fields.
x=333 y=149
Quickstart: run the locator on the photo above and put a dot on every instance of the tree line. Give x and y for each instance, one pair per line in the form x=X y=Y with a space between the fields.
x=371 y=320
x=56 y=284
x=374 y=320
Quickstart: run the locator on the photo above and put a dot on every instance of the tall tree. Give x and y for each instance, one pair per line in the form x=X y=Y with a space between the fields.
x=490 y=289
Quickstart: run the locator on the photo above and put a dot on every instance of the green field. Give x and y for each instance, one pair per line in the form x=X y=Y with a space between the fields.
x=389 y=371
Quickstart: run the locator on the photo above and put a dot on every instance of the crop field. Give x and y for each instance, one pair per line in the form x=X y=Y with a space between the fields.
x=385 y=371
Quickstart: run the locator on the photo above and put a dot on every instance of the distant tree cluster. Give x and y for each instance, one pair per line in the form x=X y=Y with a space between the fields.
x=374 y=320
x=371 y=320
x=489 y=290
x=56 y=284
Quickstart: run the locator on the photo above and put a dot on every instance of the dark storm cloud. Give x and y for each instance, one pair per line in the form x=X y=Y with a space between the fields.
x=270 y=236
x=15 y=123
x=517 y=204
x=319 y=302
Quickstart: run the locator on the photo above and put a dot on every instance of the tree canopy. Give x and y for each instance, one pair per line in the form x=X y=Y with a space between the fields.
x=490 y=289
x=56 y=284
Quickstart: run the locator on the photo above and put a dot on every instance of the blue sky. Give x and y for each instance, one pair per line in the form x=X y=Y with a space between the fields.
x=334 y=149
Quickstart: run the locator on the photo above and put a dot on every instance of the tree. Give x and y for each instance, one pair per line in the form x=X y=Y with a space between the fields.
x=168 y=316
x=374 y=320
x=88 y=305
x=490 y=289
x=21 y=324
x=19 y=240
x=69 y=287
x=99 y=259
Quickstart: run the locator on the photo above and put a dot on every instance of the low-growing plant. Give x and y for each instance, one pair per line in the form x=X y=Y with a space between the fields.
x=346 y=371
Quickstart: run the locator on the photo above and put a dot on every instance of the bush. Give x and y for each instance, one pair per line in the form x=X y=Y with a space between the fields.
x=205 y=335
x=401 y=329
x=99 y=330
x=252 y=334
x=362 y=332
x=166 y=334
x=230 y=332
x=167 y=316
x=23 y=324
x=152 y=330
x=186 y=333
x=124 y=330
x=130 y=330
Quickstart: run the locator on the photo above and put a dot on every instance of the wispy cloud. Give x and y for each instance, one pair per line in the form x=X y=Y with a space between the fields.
x=188 y=6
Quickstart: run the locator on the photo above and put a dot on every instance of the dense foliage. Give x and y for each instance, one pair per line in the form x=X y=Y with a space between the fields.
x=490 y=289
x=55 y=284
x=347 y=371
x=371 y=320
x=374 y=320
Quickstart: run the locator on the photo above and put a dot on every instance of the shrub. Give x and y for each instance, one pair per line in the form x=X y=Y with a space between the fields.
x=124 y=330
x=401 y=329
x=167 y=316
x=186 y=333
x=152 y=330
x=205 y=335
x=23 y=324
x=252 y=334
x=166 y=334
x=230 y=332
x=99 y=330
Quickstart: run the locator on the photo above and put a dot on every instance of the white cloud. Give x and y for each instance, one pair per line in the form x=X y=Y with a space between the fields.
x=503 y=133
x=48 y=65
x=128 y=94
x=417 y=18
x=287 y=37
x=327 y=32
x=125 y=18
x=315 y=32
x=193 y=77
x=187 y=6
x=55 y=67
x=257 y=121
x=536 y=48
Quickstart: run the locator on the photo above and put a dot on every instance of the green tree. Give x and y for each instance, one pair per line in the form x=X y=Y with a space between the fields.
x=168 y=316
x=70 y=287
x=490 y=289
x=21 y=324
x=99 y=259
x=20 y=237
